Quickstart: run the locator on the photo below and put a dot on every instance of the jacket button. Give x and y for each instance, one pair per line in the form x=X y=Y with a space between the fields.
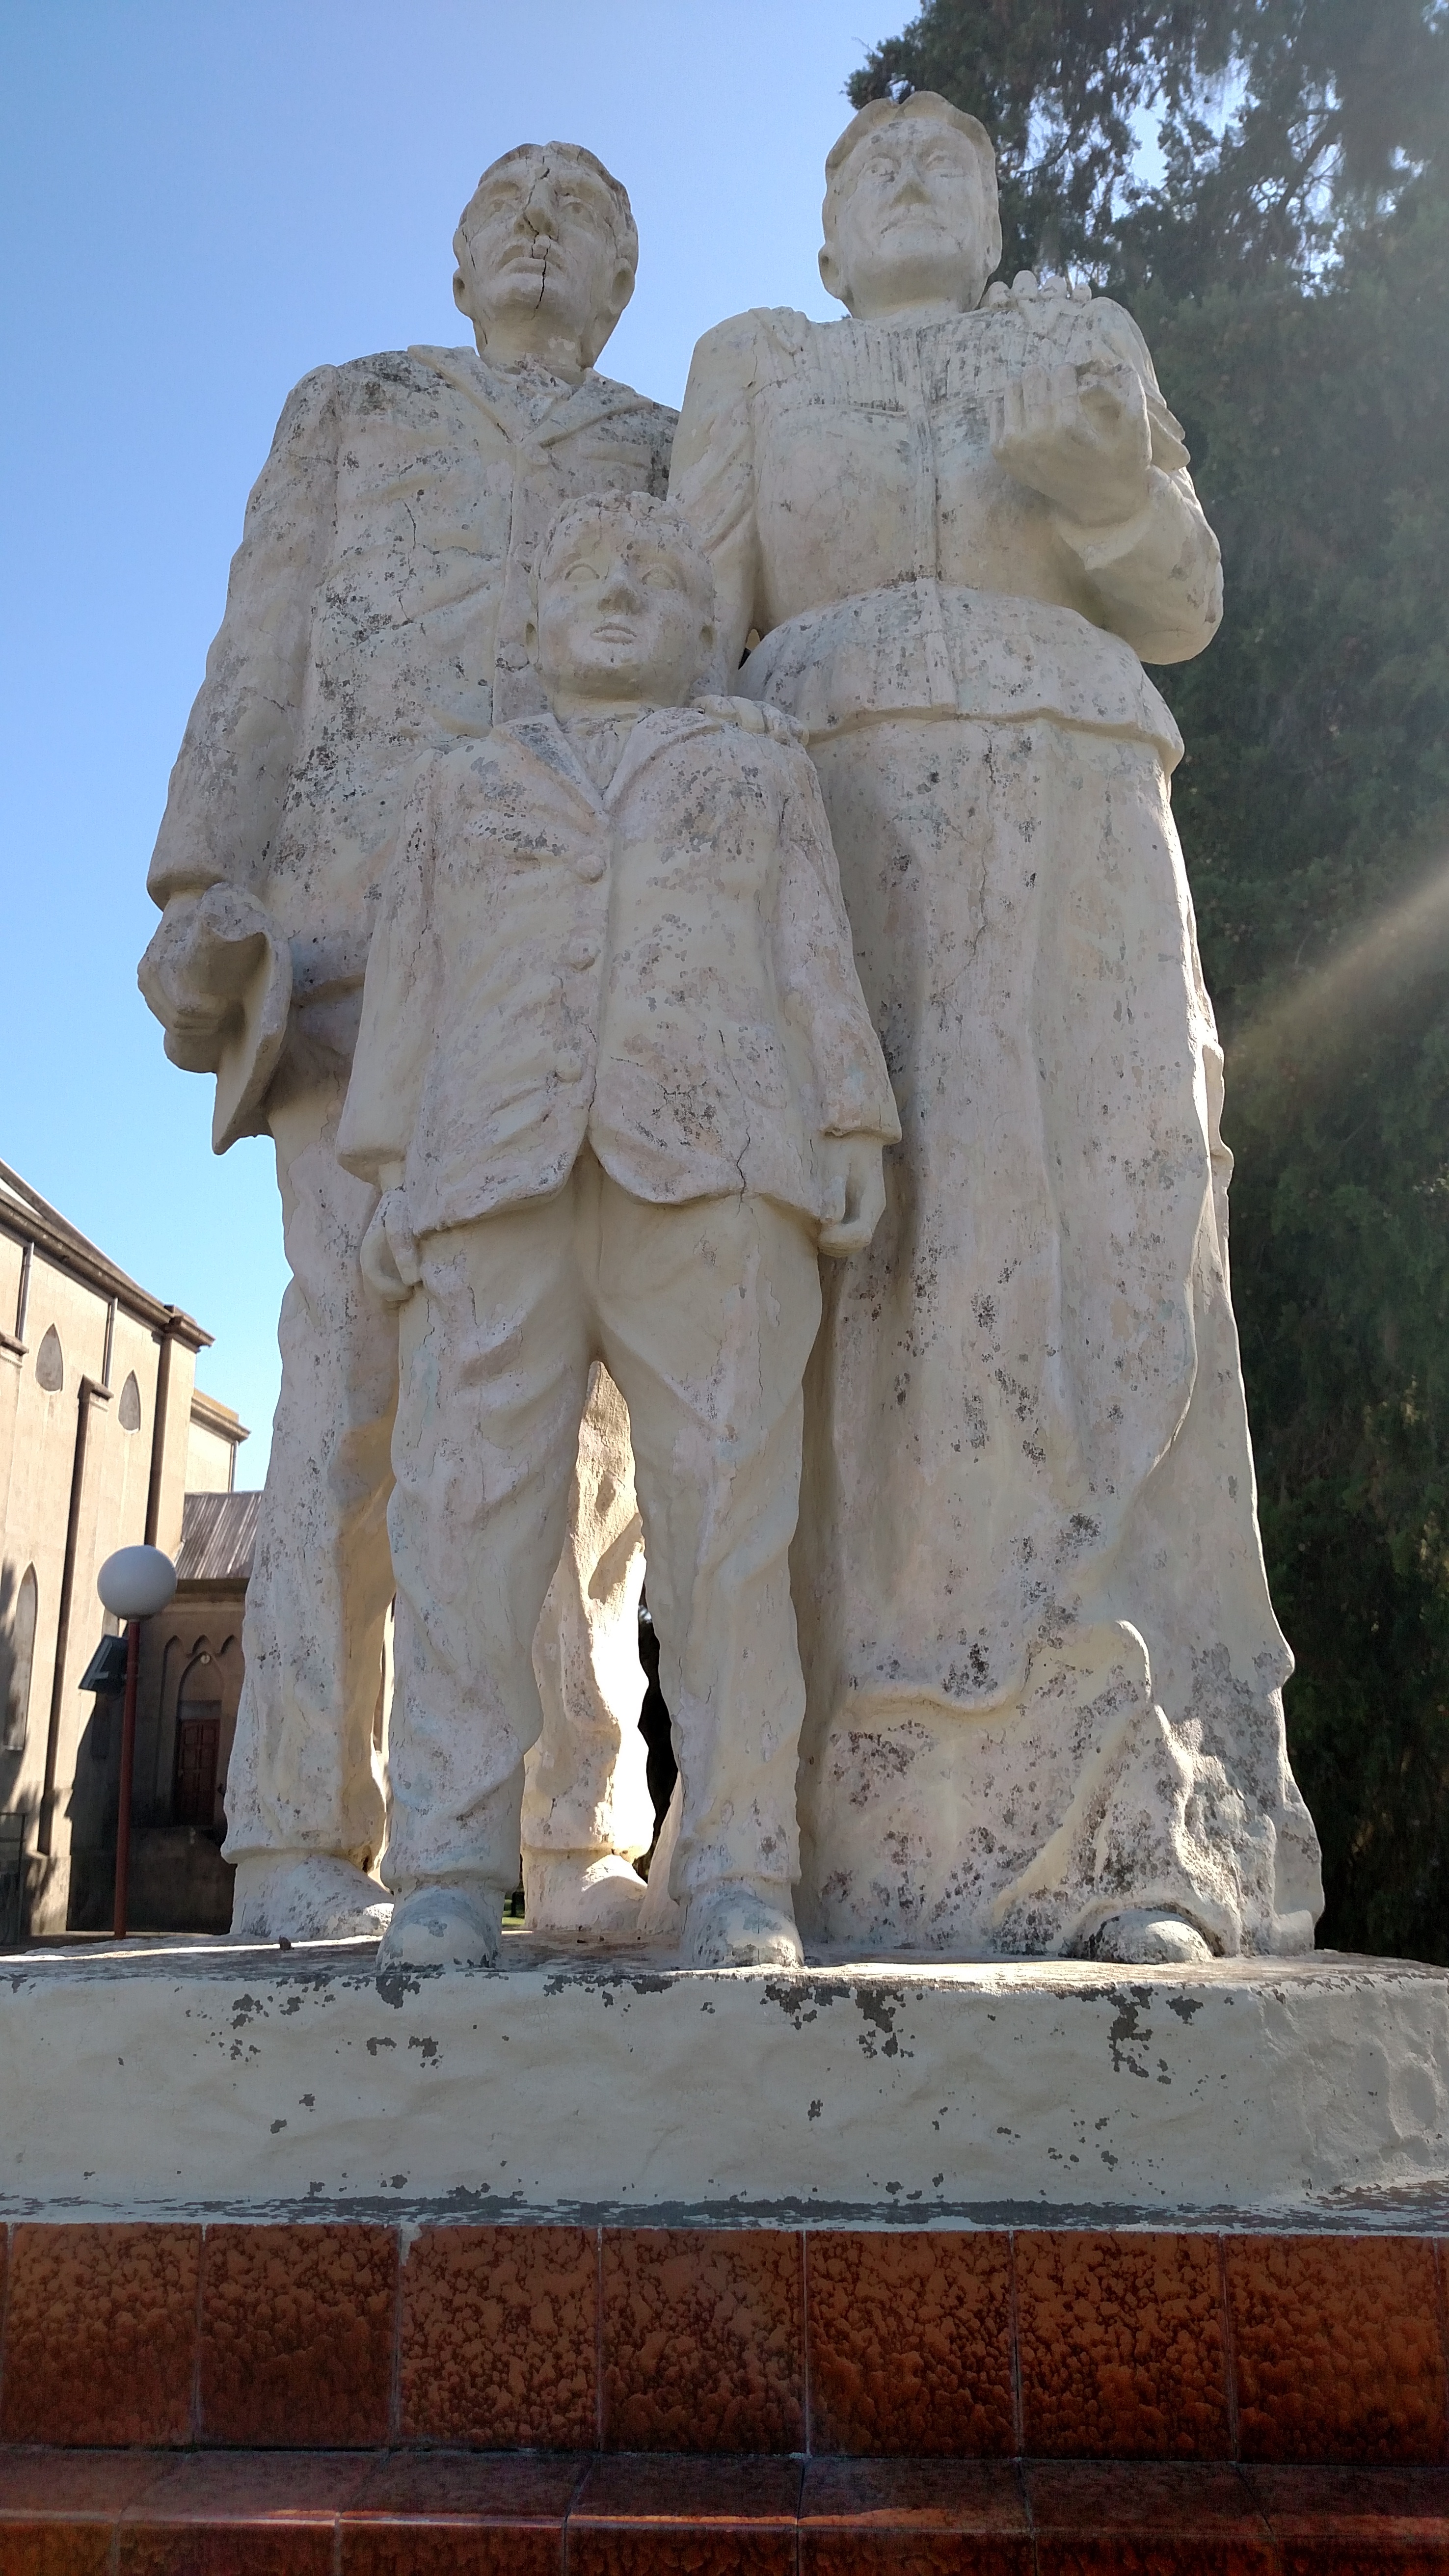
x=567 y=1065
x=583 y=951
x=590 y=867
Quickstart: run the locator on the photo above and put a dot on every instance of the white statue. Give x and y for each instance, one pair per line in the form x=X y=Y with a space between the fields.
x=617 y=1083
x=1044 y=1672
x=376 y=612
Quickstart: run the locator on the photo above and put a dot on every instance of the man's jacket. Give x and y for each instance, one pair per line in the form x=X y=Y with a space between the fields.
x=375 y=612
x=665 y=969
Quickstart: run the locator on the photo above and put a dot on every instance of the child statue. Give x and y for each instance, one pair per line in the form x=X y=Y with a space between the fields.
x=618 y=1086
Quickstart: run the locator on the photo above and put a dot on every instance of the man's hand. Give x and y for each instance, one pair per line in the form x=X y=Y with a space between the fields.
x=854 y=1192
x=198 y=966
x=1081 y=435
x=389 y=1253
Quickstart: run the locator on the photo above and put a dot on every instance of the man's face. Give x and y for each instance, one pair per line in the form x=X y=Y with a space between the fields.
x=541 y=240
x=911 y=221
x=618 y=620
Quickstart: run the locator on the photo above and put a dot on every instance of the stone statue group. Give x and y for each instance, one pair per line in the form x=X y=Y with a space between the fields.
x=696 y=905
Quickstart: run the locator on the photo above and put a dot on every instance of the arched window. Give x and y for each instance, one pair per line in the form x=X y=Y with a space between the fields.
x=198 y=1741
x=128 y=1411
x=17 y=1655
x=50 y=1362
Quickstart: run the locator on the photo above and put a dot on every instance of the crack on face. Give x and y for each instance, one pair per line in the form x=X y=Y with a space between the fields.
x=536 y=232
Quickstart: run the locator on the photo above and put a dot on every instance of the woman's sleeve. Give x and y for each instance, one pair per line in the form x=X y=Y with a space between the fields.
x=712 y=475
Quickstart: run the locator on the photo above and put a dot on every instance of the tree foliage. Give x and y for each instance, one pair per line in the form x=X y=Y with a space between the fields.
x=1280 y=123
x=1301 y=330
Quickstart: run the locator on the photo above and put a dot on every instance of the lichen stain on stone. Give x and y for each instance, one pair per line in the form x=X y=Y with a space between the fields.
x=243 y=2009
x=394 y=1985
x=1129 y=2008
x=429 y=2048
x=374 y=2045
x=879 y=2011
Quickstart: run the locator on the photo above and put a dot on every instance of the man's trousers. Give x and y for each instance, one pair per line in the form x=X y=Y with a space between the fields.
x=704 y=1316
x=302 y=1776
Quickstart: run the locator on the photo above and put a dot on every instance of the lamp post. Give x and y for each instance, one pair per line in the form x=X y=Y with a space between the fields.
x=134 y=1584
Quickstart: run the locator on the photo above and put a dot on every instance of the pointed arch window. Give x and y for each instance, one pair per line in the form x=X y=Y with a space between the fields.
x=17 y=1657
x=50 y=1362
x=128 y=1411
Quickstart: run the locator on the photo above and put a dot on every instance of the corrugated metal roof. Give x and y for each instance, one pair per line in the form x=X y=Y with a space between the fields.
x=218 y=1534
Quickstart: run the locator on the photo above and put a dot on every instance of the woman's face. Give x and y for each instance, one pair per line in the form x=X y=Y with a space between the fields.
x=911 y=223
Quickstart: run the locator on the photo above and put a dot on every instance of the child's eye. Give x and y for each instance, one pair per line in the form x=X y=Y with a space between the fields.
x=578 y=575
x=658 y=577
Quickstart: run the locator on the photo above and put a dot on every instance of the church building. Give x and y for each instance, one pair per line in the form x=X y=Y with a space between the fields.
x=105 y=1440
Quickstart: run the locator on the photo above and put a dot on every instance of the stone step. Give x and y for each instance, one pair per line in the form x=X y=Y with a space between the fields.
x=451 y=2513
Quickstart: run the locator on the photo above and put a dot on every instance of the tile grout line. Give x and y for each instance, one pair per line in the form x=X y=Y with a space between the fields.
x=1018 y=2397
x=580 y=2482
x=204 y=2235
x=1230 y=2349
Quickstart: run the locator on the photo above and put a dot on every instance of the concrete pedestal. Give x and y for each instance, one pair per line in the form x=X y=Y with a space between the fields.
x=201 y=2079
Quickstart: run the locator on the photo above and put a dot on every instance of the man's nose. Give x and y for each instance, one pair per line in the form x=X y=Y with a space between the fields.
x=619 y=587
x=910 y=184
x=540 y=211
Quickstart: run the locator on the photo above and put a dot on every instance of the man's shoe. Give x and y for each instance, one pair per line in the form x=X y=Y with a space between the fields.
x=569 y=1893
x=306 y=1896
x=456 y=1923
x=736 y=1927
x=1148 y=1937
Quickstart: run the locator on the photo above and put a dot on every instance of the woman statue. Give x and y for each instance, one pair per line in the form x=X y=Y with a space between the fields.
x=1045 y=1675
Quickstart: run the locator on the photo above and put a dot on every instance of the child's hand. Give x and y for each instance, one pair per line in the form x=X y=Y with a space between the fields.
x=389 y=1253
x=854 y=1193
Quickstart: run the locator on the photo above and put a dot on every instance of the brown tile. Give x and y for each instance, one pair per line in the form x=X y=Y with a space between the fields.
x=910 y=2342
x=1356 y=2521
x=1145 y=2518
x=451 y=2548
x=867 y=2515
x=516 y=2488
x=77 y=2483
x=58 y=2509
x=266 y=2514
x=297 y=2334
x=647 y=2516
x=450 y=2513
x=54 y=2549
x=702 y=2337
x=1121 y=2344
x=244 y=2487
x=1337 y=2348
x=100 y=2337
x=500 y=2337
x=276 y=2548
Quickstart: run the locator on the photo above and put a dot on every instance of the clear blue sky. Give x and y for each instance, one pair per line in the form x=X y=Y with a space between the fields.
x=200 y=201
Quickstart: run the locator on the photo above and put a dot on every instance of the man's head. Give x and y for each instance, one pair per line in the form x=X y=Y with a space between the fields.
x=546 y=251
x=910 y=209
x=624 y=611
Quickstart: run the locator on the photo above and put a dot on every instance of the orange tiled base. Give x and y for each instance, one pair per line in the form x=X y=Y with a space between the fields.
x=229 y=2398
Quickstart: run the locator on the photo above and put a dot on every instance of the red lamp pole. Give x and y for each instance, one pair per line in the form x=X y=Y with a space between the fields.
x=128 y=1765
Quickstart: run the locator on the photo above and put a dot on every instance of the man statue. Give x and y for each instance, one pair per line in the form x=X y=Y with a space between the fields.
x=618 y=1087
x=375 y=614
x=1045 y=1676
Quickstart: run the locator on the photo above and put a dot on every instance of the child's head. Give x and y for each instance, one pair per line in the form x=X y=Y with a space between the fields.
x=623 y=604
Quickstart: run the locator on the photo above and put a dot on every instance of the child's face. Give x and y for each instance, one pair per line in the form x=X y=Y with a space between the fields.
x=618 y=620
